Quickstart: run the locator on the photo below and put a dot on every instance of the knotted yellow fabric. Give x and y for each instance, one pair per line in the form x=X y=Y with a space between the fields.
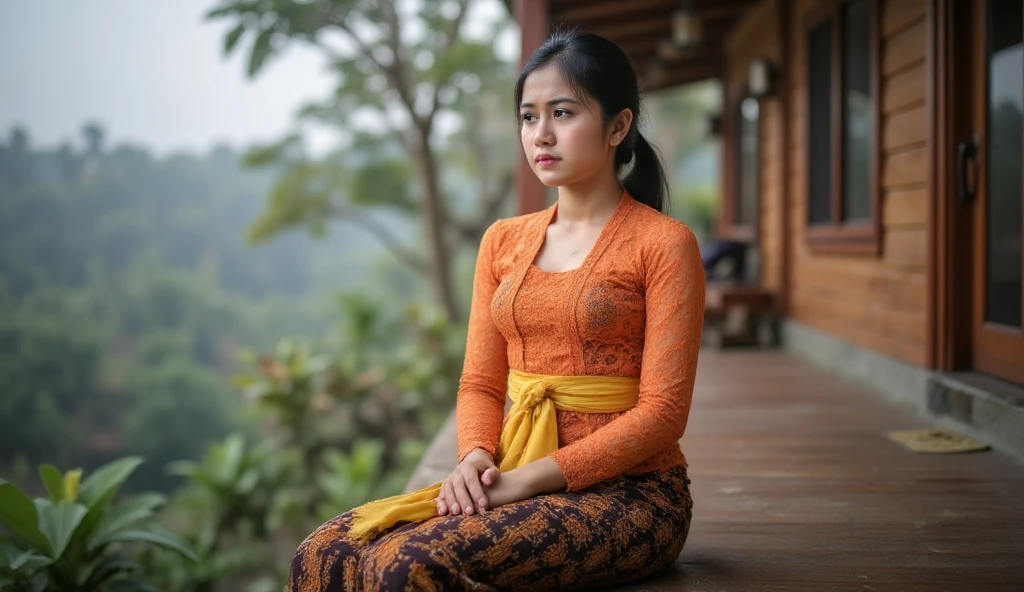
x=530 y=433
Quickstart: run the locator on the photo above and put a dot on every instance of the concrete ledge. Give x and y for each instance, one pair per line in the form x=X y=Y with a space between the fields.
x=900 y=383
x=973 y=404
x=981 y=406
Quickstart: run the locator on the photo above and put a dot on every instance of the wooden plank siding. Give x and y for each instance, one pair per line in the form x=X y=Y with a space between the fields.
x=757 y=36
x=875 y=302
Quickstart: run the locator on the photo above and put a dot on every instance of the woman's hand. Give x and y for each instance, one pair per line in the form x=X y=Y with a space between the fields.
x=463 y=490
x=540 y=476
x=511 y=486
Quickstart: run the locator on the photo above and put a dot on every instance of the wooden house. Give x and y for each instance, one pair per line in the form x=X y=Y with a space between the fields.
x=872 y=155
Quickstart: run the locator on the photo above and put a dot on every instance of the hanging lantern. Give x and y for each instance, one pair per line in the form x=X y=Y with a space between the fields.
x=761 y=77
x=687 y=28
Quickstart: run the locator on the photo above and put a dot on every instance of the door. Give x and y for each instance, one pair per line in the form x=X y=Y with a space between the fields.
x=995 y=175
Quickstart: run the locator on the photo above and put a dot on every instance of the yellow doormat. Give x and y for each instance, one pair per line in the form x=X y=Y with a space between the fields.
x=936 y=441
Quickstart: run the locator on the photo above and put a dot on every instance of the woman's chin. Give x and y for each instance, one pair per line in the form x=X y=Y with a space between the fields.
x=550 y=178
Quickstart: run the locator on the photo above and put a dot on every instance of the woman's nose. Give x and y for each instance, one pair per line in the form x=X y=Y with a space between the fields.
x=543 y=135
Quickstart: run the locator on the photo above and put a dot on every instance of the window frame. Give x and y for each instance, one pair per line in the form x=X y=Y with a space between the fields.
x=861 y=237
x=733 y=205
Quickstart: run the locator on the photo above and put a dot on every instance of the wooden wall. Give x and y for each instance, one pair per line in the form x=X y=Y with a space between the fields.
x=875 y=302
x=757 y=36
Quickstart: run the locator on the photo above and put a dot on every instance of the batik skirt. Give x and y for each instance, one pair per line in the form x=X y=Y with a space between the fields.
x=617 y=531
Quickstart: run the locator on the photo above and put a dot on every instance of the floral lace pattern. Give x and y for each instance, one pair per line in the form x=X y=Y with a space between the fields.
x=633 y=308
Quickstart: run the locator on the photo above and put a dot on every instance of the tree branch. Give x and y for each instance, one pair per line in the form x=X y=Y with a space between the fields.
x=393 y=71
x=401 y=252
x=449 y=42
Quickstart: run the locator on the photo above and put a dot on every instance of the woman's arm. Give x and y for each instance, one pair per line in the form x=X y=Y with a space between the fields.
x=480 y=405
x=674 y=284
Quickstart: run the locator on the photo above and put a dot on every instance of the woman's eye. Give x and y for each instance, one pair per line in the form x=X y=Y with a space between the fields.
x=527 y=116
x=559 y=113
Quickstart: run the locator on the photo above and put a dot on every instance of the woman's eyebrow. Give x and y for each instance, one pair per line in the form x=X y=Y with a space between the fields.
x=552 y=102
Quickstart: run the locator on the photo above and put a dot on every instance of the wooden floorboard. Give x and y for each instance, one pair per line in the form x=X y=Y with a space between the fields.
x=796 y=487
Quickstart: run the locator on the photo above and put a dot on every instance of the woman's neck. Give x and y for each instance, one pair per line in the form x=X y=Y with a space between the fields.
x=589 y=203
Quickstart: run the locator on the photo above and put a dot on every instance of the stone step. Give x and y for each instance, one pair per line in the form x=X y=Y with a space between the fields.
x=980 y=406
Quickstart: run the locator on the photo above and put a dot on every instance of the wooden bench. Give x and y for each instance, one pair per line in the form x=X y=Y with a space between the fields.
x=737 y=314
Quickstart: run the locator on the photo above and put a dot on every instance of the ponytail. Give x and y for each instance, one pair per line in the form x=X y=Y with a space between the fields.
x=646 y=181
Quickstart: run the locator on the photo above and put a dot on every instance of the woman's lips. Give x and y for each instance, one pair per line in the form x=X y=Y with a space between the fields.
x=547 y=161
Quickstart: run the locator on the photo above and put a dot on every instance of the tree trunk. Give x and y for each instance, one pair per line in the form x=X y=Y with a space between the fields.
x=434 y=217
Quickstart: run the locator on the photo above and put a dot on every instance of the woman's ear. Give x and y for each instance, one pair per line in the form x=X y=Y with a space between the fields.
x=620 y=126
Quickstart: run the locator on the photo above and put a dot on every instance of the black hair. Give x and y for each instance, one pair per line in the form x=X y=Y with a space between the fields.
x=598 y=68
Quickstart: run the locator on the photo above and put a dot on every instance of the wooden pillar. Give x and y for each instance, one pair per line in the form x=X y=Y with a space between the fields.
x=532 y=16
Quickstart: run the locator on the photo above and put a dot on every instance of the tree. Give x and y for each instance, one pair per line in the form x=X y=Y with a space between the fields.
x=93 y=134
x=398 y=74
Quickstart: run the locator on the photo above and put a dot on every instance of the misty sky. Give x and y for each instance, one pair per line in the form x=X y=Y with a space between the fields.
x=151 y=72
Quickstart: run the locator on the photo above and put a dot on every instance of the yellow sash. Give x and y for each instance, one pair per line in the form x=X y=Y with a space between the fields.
x=530 y=433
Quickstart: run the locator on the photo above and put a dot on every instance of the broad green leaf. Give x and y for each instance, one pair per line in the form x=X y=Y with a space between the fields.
x=59 y=521
x=27 y=561
x=231 y=464
x=108 y=568
x=247 y=482
x=124 y=515
x=104 y=482
x=261 y=49
x=156 y=535
x=102 y=486
x=53 y=481
x=232 y=38
x=19 y=514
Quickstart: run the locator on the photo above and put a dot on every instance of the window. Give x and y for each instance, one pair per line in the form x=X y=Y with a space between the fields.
x=747 y=163
x=842 y=128
x=741 y=214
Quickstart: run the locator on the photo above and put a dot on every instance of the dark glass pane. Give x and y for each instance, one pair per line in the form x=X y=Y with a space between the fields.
x=1003 y=218
x=858 y=115
x=819 y=49
x=749 y=162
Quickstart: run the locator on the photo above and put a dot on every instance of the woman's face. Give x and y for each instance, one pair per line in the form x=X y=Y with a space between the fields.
x=563 y=136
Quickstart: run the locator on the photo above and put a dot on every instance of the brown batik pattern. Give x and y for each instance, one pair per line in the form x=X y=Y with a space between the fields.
x=620 y=530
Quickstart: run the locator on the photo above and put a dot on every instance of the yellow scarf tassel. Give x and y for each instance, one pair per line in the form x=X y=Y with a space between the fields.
x=530 y=433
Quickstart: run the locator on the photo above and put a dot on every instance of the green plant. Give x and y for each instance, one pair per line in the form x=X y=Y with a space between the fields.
x=341 y=426
x=72 y=540
x=238 y=496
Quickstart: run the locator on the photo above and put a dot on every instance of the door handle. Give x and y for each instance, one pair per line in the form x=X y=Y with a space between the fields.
x=967 y=183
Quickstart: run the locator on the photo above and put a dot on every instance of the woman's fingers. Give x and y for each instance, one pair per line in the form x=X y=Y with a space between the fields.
x=442 y=508
x=476 y=492
x=465 y=500
x=490 y=476
x=449 y=497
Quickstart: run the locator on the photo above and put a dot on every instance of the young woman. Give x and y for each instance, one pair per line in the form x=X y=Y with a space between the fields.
x=588 y=315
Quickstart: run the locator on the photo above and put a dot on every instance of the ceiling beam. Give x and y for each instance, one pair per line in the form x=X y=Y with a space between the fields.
x=634 y=28
x=679 y=76
x=700 y=55
x=595 y=11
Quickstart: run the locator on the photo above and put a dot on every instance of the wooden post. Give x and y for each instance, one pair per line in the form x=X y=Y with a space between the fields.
x=532 y=16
